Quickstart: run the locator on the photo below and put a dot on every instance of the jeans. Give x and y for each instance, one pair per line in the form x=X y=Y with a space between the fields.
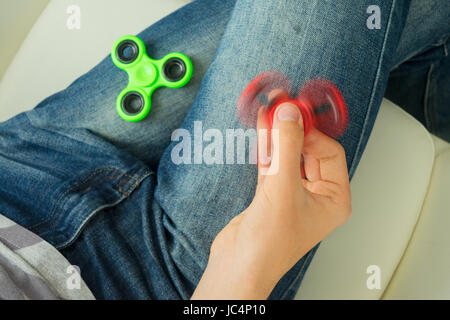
x=106 y=192
x=420 y=79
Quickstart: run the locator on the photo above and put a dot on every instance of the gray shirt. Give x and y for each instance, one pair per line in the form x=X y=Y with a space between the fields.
x=31 y=268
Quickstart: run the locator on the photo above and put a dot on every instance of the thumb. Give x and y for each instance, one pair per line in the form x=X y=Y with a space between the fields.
x=287 y=139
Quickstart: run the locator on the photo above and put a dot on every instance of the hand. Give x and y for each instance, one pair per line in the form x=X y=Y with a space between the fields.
x=296 y=207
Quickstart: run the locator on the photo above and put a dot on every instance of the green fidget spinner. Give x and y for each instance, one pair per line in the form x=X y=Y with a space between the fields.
x=145 y=75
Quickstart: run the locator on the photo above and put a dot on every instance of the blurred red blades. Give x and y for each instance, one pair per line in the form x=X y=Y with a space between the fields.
x=319 y=98
x=253 y=96
x=327 y=105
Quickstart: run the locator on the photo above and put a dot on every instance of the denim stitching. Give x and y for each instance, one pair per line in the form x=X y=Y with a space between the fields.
x=377 y=76
x=90 y=216
x=445 y=45
x=426 y=107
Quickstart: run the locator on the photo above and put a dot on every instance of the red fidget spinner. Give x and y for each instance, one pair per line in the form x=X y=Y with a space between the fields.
x=319 y=100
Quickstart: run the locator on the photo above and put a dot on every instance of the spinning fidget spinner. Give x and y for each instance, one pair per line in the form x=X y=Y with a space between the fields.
x=319 y=100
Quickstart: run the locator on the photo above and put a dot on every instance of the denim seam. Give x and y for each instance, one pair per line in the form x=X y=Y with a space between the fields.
x=308 y=259
x=377 y=76
x=90 y=177
x=446 y=45
x=426 y=105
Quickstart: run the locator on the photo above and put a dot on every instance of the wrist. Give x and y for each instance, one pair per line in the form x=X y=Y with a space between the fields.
x=227 y=283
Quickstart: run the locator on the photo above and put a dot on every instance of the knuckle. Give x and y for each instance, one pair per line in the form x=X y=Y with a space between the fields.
x=338 y=148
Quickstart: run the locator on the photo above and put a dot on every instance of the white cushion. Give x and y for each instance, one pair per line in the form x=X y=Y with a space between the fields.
x=424 y=270
x=16 y=19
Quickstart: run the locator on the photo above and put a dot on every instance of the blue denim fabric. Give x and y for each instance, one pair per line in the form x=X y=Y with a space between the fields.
x=420 y=79
x=106 y=192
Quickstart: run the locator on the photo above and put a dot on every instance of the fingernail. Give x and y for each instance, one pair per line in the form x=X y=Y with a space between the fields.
x=288 y=112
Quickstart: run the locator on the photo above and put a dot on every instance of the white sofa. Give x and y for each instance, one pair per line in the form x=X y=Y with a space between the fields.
x=400 y=190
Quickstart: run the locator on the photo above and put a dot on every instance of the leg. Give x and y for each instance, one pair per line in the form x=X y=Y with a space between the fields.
x=89 y=103
x=199 y=200
x=162 y=254
x=198 y=203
